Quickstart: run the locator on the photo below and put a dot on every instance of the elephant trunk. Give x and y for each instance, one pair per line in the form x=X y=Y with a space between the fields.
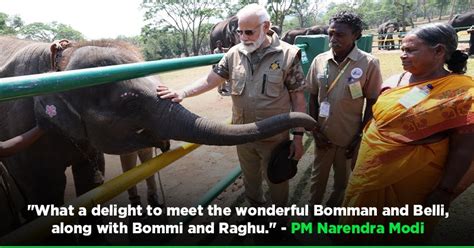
x=186 y=126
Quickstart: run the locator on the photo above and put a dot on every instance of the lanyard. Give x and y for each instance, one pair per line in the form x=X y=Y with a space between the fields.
x=333 y=83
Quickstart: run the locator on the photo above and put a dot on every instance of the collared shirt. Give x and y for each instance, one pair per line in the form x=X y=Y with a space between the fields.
x=345 y=117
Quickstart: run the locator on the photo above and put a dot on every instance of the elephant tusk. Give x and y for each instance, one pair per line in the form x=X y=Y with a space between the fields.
x=139 y=131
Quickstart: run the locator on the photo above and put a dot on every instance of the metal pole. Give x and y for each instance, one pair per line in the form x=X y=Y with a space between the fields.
x=31 y=85
x=215 y=191
x=38 y=229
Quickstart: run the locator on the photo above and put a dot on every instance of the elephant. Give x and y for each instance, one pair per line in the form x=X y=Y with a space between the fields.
x=225 y=32
x=385 y=34
x=464 y=22
x=290 y=35
x=116 y=118
x=276 y=29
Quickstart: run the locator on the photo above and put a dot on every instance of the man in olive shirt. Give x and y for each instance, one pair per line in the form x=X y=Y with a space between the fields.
x=339 y=82
x=266 y=80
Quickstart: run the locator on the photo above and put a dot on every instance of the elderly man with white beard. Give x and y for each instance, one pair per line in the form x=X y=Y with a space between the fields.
x=266 y=79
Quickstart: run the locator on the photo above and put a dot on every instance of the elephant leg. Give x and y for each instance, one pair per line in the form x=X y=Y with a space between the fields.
x=88 y=172
x=152 y=191
x=129 y=161
x=391 y=42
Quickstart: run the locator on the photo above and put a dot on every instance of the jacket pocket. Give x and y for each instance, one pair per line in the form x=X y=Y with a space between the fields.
x=273 y=83
x=238 y=82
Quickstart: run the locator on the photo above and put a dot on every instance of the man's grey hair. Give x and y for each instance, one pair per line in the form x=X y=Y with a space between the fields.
x=254 y=9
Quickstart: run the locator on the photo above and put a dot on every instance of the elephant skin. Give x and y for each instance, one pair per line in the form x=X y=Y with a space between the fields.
x=39 y=170
x=290 y=35
x=276 y=29
x=225 y=32
x=114 y=118
x=464 y=22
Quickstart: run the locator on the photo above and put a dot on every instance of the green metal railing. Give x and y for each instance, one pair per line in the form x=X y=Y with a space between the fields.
x=38 y=84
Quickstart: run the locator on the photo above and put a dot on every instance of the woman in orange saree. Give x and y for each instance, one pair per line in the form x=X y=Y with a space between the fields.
x=420 y=142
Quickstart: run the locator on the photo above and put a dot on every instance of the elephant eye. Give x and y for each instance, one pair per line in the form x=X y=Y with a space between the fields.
x=128 y=98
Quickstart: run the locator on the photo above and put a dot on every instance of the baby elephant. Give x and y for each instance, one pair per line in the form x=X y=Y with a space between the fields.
x=129 y=161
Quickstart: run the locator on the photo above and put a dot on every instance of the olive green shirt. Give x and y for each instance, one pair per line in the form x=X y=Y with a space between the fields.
x=345 y=116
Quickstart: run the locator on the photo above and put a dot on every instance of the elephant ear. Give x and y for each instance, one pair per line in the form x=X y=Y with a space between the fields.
x=54 y=112
x=231 y=28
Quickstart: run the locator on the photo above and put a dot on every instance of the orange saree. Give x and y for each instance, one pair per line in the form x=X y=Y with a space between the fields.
x=391 y=173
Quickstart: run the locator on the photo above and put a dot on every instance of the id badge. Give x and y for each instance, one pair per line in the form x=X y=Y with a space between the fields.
x=324 y=109
x=356 y=90
x=413 y=97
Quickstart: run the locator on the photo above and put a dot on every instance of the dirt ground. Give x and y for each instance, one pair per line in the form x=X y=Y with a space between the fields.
x=188 y=179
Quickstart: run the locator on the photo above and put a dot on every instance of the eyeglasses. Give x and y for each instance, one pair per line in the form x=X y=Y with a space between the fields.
x=248 y=32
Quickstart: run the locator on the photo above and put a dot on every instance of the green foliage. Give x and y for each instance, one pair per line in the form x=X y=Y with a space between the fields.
x=63 y=31
x=306 y=11
x=134 y=40
x=160 y=43
x=49 y=32
x=9 y=25
x=187 y=19
x=335 y=8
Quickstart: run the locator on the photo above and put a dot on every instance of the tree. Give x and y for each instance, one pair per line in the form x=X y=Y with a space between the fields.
x=372 y=11
x=185 y=17
x=306 y=11
x=442 y=5
x=63 y=31
x=406 y=7
x=279 y=9
x=336 y=8
x=9 y=25
x=160 y=43
x=49 y=32
x=134 y=40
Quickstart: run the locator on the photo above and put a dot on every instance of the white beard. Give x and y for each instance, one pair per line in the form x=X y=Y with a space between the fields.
x=251 y=46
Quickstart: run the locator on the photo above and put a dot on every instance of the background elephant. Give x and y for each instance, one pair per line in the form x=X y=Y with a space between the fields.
x=464 y=22
x=276 y=29
x=385 y=34
x=115 y=118
x=290 y=35
x=225 y=32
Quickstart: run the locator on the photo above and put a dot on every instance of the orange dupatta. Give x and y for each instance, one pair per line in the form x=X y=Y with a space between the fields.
x=389 y=172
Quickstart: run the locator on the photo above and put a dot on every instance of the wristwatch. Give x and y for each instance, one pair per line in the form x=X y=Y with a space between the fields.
x=297 y=133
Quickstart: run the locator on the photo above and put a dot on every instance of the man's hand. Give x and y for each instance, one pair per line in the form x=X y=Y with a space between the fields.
x=351 y=148
x=296 y=148
x=164 y=92
x=322 y=142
